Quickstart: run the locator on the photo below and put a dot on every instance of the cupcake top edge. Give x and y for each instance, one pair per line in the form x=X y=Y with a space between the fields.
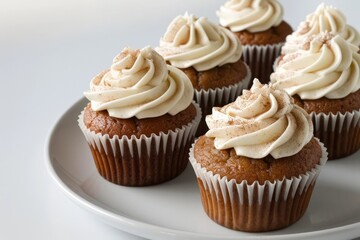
x=250 y=15
x=191 y=41
x=140 y=84
x=324 y=65
x=263 y=120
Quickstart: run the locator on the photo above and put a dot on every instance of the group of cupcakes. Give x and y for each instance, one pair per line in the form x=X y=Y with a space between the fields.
x=256 y=146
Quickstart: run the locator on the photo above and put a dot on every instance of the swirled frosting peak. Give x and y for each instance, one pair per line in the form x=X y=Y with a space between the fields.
x=250 y=15
x=262 y=121
x=196 y=42
x=140 y=83
x=324 y=19
x=324 y=66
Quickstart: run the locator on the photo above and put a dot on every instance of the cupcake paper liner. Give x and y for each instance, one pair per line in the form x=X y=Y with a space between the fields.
x=141 y=161
x=339 y=132
x=255 y=207
x=207 y=99
x=260 y=59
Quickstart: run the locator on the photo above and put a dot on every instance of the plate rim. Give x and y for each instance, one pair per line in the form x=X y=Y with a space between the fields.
x=146 y=230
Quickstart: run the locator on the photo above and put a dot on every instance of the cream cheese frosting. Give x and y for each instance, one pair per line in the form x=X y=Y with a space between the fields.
x=324 y=19
x=262 y=121
x=324 y=66
x=250 y=15
x=140 y=84
x=196 y=42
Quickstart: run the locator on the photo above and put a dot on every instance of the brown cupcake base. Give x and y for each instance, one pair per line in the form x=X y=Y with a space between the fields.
x=217 y=77
x=273 y=35
x=336 y=123
x=255 y=207
x=144 y=160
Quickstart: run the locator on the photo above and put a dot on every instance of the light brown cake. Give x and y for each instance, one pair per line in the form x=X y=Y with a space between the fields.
x=101 y=122
x=341 y=139
x=273 y=35
x=217 y=77
x=227 y=164
x=270 y=215
x=326 y=105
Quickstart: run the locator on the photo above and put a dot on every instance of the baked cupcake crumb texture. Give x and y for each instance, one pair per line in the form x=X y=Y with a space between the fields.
x=271 y=36
x=217 y=77
x=228 y=163
x=327 y=106
x=101 y=122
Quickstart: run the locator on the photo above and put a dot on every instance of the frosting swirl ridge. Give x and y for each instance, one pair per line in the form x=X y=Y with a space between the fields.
x=262 y=121
x=140 y=83
x=250 y=15
x=196 y=42
x=324 y=19
x=324 y=66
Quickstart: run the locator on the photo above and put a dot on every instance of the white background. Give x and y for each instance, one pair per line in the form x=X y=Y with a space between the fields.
x=49 y=51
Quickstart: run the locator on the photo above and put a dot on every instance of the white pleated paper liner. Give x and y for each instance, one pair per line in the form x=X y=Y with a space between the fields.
x=339 y=132
x=145 y=160
x=255 y=207
x=260 y=59
x=207 y=99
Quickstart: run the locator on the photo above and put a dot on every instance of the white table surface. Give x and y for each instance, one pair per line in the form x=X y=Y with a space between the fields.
x=49 y=51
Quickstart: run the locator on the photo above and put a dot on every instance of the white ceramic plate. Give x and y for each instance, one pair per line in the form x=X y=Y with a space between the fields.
x=173 y=210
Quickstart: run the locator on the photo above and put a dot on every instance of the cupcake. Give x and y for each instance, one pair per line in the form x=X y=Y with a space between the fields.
x=323 y=76
x=141 y=120
x=210 y=56
x=324 y=19
x=258 y=164
x=261 y=29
